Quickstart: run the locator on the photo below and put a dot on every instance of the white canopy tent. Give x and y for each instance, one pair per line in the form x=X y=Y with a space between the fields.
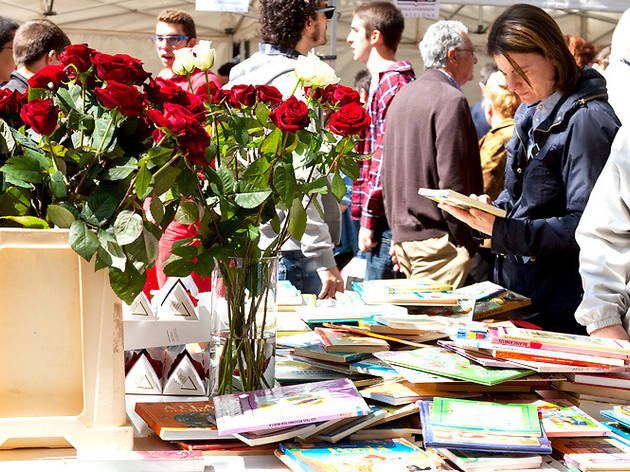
x=115 y=26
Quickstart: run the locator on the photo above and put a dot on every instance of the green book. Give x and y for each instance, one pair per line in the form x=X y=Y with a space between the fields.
x=442 y=362
x=509 y=419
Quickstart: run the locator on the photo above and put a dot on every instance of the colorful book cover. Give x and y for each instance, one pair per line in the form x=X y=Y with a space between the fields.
x=564 y=339
x=588 y=445
x=288 y=405
x=347 y=427
x=442 y=362
x=292 y=370
x=561 y=418
x=317 y=351
x=478 y=440
x=179 y=420
x=513 y=419
x=335 y=340
x=613 y=415
x=373 y=366
x=501 y=302
x=371 y=296
x=260 y=438
x=384 y=455
x=480 y=460
x=598 y=461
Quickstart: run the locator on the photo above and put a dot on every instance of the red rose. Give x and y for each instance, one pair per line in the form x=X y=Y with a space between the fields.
x=216 y=94
x=349 y=119
x=119 y=67
x=242 y=95
x=320 y=93
x=161 y=90
x=191 y=102
x=269 y=95
x=290 y=116
x=49 y=78
x=174 y=117
x=79 y=55
x=9 y=102
x=194 y=142
x=341 y=95
x=126 y=99
x=41 y=115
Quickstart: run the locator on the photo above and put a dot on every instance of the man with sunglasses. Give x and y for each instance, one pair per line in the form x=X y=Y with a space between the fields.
x=291 y=28
x=175 y=29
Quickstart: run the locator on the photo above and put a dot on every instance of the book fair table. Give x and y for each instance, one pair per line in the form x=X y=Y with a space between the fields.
x=363 y=386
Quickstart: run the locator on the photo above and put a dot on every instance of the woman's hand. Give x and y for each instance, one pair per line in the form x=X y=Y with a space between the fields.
x=476 y=219
x=614 y=331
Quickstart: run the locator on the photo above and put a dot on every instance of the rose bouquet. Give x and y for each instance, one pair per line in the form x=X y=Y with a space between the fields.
x=250 y=158
x=76 y=152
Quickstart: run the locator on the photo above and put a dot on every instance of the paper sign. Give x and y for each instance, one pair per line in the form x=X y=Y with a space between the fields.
x=236 y=6
x=418 y=8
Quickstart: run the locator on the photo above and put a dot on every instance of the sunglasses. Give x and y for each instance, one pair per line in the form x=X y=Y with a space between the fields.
x=328 y=11
x=170 y=40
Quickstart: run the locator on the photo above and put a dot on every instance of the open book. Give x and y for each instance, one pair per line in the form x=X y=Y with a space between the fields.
x=459 y=200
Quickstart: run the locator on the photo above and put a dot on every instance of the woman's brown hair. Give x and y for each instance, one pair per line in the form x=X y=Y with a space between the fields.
x=525 y=28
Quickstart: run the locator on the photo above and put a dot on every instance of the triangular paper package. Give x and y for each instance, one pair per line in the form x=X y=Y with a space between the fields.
x=173 y=302
x=140 y=309
x=184 y=379
x=142 y=377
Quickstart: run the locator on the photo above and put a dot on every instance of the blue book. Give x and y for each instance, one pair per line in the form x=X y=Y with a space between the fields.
x=620 y=430
x=471 y=440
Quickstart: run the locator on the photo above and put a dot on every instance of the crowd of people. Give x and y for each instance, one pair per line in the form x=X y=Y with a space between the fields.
x=546 y=129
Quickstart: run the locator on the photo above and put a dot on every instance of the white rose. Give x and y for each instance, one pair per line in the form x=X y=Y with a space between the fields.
x=314 y=72
x=204 y=55
x=184 y=62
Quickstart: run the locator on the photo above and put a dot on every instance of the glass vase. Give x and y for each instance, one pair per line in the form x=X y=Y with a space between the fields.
x=244 y=313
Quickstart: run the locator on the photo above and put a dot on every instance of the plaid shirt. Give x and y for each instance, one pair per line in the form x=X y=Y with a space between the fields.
x=367 y=191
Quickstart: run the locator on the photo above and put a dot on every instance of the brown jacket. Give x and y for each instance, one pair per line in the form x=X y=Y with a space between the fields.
x=430 y=142
x=493 y=156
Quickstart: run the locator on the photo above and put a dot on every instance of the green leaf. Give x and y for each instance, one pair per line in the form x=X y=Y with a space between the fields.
x=15 y=201
x=253 y=232
x=262 y=113
x=165 y=180
x=187 y=213
x=127 y=227
x=185 y=250
x=80 y=121
x=257 y=173
x=284 y=181
x=350 y=167
x=60 y=216
x=57 y=185
x=275 y=223
x=82 y=240
x=319 y=185
x=103 y=134
x=126 y=284
x=29 y=167
x=120 y=172
x=34 y=93
x=100 y=206
x=27 y=221
x=7 y=141
x=271 y=144
x=251 y=199
x=227 y=179
x=297 y=220
x=151 y=245
x=157 y=210
x=175 y=266
x=204 y=265
x=143 y=182
x=338 y=186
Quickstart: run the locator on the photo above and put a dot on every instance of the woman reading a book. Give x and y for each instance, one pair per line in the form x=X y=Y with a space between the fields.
x=563 y=133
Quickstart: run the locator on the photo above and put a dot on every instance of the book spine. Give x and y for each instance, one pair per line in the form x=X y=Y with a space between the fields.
x=602 y=381
x=560 y=355
x=557 y=348
x=537 y=358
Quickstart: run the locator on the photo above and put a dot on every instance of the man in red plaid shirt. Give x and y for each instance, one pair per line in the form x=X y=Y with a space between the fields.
x=374 y=35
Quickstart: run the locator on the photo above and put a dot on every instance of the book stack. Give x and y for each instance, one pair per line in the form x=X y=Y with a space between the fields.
x=620 y=424
x=482 y=426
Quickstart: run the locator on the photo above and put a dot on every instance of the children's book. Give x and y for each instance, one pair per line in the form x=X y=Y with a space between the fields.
x=371 y=293
x=501 y=302
x=459 y=200
x=617 y=380
x=510 y=419
x=589 y=343
x=598 y=461
x=317 y=351
x=588 y=445
x=385 y=455
x=346 y=313
x=478 y=440
x=259 y=438
x=373 y=366
x=615 y=416
x=561 y=419
x=473 y=461
x=335 y=340
x=366 y=332
x=440 y=361
x=288 y=406
x=345 y=428
x=557 y=357
x=341 y=368
x=180 y=420
x=292 y=370
x=477 y=356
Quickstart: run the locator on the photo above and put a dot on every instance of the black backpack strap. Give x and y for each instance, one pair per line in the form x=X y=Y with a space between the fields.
x=278 y=75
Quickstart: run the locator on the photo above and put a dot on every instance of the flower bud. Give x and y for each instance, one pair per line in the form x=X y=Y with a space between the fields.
x=204 y=55
x=184 y=62
x=314 y=72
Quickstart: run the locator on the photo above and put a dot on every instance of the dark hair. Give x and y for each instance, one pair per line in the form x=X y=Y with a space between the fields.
x=226 y=68
x=525 y=28
x=36 y=38
x=583 y=51
x=383 y=17
x=282 y=21
x=486 y=71
x=179 y=17
x=7 y=29
x=362 y=80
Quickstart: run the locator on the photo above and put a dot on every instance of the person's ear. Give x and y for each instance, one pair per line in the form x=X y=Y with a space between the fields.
x=51 y=58
x=191 y=42
x=451 y=55
x=375 y=37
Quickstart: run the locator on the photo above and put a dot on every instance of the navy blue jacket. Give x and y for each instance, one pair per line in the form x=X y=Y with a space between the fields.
x=545 y=196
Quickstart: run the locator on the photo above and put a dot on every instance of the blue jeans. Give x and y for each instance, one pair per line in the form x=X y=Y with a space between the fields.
x=379 y=262
x=300 y=270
